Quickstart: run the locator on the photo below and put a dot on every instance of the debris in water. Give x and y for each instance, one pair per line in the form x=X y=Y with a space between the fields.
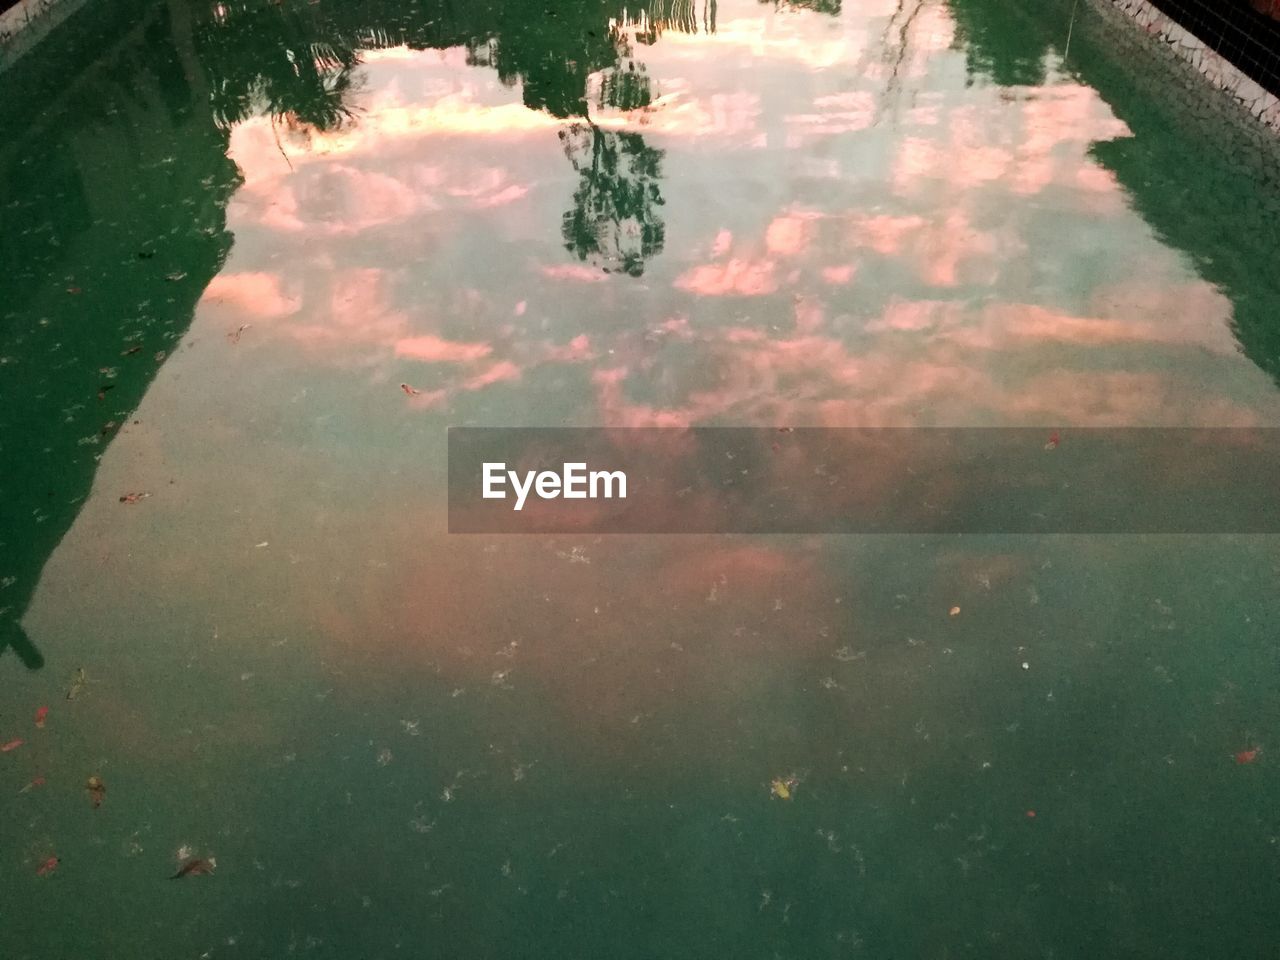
x=78 y=681
x=1031 y=814
x=1053 y=441
x=384 y=756
x=195 y=867
x=134 y=497
x=411 y=391
x=175 y=276
x=782 y=787
x=11 y=746
x=41 y=714
x=48 y=866
x=97 y=790
x=130 y=352
x=37 y=782
x=1248 y=756
x=955 y=611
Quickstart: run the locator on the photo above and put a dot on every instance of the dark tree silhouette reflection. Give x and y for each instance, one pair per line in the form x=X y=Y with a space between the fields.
x=297 y=64
x=830 y=7
x=282 y=61
x=626 y=87
x=614 y=222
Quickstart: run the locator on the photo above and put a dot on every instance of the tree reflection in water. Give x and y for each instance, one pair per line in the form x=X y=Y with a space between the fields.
x=298 y=66
x=613 y=223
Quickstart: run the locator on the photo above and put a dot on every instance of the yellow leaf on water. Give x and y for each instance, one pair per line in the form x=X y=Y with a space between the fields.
x=781 y=787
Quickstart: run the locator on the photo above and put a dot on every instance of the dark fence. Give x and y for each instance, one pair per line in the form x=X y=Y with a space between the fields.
x=1246 y=32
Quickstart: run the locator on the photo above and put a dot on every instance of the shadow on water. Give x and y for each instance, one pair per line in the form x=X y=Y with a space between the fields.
x=114 y=185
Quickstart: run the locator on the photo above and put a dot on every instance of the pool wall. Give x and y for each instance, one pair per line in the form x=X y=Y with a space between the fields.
x=1227 y=34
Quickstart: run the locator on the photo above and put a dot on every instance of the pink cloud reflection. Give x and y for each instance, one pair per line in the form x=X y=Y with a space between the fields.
x=434 y=349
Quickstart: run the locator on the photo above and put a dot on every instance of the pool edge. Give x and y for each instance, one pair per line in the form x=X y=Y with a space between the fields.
x=1182 y=44
x=27 y=22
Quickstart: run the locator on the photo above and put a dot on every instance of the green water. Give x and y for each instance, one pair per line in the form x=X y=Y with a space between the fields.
x=398 y=743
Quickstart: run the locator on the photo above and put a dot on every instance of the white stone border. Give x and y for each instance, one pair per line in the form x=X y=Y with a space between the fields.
x=1217 y=69
x=25 y=23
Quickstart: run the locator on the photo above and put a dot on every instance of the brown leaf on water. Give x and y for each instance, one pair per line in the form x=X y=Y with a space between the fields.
x=97 y=790
x=195 y=867
x=78 y=681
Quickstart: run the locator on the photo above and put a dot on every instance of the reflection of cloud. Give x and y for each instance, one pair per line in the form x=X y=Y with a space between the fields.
x=1013 y=322
x=433 y=349
x=500 y=372
x=597 y=669
x=1023 y=326
x=339 y=199
x=946 y=251
x=928 y=363
x=913 y=288
x=1014 y=138
x=1119 y=399
x=742 y=278
x=576 y=272
x=576 y=350
x=775 y=38
x=678 y=113
x=914 y=316
x=787 y=236
x=833 y=114
x=251 y=294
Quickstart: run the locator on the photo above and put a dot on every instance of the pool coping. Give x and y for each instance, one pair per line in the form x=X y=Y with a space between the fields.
x=1182 y=44
x=27 y=22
